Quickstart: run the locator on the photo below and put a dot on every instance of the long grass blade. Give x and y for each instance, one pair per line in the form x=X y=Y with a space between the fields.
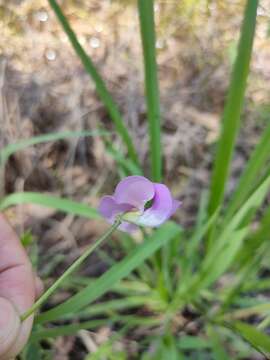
x=10 y=149
x=257 y=239
x=66 y=330
x=128 y=165
x=261 y=309
x=46 y=200
x=229 y=242
x=233 y=108
x=256 y=338
x=101 y=88
x=147 y=25
x=226 y=247
x=249 y=178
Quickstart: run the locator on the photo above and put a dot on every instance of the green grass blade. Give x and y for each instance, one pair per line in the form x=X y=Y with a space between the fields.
x=218 y=263
x=147 y=24
x=110 y=306
x=127 y=165
x=10 y=149
x=32 y=351
x=226 y=247
x=188 y=342
x=54 y=202
x=192 y=251
x=256 y=338
x=258 y=238
x=217 y=344
x=233 y=108
x=249 y=178
x=100 y=84
x=249 y=269
x=66 y=330
x=261 y=309
x=123 y=268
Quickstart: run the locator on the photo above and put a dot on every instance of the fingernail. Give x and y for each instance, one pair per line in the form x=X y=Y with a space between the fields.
x=9 y=326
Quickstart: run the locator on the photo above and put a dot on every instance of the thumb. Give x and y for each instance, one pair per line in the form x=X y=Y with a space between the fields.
x=9 y=327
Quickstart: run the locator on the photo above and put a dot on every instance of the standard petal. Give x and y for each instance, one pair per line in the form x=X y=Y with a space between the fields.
x=109 y=208
x=161 y=209
x=134 y=190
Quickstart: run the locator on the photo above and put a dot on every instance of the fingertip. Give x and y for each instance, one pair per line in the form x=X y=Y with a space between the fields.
x=9 y=327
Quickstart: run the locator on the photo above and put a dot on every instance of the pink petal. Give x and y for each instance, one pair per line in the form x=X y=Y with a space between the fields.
x=128 y=227
x=161 y=210
x=134 y=190
x=108 y=208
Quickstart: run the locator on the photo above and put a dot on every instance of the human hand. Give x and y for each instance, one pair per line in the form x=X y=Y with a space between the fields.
x=18 y=289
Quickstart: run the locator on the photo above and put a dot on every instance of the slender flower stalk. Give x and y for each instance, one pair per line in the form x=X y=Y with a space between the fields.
x=71 y=269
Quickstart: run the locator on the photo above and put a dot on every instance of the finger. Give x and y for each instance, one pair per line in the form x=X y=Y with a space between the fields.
x=16 y=280
x=9 y=327
x=39 y=287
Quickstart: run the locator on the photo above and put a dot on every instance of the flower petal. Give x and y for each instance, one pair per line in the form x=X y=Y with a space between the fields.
x=134 y=190
x=161 y=209
x=127 y=227
x=109 y=208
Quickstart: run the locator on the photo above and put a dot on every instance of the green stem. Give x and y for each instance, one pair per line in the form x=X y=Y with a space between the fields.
x=148 y=36
x=70 y=270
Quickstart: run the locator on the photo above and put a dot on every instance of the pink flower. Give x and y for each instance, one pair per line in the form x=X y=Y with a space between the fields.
x=140 y=201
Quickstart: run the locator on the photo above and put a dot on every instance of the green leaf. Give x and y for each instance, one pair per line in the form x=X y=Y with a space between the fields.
x=128 y=165
x=256 y=338
x=107 y=350
x=219 y=352
x=100 y=84
x=66 y=330
x=261 y=309
x=110 y=306
x=225 y=249
x=216 y=265
x=122 y=269
x=32 y=351
x=249 y=178
x=169 y=350
x=192 y=252
x=188 y=342
x=233 y=107
x=65 y=205
x=147 y=25
x=246 y=211
x=244 y=272
x=23 y=144
x=27 y=238
x=192 y=246
x=257 y=239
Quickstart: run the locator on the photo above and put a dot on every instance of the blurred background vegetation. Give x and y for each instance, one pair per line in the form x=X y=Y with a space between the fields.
x=44 y=89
